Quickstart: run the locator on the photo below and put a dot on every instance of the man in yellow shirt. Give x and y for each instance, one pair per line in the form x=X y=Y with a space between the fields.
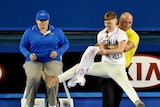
x=111 y=92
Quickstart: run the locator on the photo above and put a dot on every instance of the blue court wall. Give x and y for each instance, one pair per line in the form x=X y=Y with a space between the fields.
x=87 y=99
x=78 y=14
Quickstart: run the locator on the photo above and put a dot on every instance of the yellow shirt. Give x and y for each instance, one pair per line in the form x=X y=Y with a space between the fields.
x=133 y=37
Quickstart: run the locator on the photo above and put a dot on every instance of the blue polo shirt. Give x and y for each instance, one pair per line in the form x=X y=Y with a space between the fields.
x=33 y=41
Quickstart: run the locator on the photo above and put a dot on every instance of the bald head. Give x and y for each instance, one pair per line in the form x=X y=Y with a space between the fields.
x=126 y=20
x=126 y=15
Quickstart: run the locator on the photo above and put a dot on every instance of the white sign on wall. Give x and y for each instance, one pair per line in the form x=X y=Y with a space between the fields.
x=145 y=71
x=2 y=73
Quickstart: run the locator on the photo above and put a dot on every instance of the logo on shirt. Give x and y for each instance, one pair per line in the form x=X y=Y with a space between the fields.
x=145 y=71
x=51 y=34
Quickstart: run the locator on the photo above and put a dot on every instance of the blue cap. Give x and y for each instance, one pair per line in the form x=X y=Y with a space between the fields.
x=42 y=15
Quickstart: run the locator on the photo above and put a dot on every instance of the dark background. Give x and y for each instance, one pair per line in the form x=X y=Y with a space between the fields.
x=14 y=81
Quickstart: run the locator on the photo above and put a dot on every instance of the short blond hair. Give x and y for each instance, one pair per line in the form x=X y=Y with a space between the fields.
x=110 y=15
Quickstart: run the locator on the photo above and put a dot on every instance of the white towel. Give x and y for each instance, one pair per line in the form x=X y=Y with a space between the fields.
x=85 y=66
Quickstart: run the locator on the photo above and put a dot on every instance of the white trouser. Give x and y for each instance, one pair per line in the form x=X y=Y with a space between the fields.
x=101 y=69
x=106 y=70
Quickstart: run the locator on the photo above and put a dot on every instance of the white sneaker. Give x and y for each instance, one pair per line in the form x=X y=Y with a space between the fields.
x=50 y=105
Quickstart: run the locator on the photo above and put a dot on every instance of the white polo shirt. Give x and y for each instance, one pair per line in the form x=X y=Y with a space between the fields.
x=113 y=38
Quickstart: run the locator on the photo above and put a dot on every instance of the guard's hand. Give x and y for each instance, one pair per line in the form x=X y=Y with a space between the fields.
x=102 y=45
x=53 y=54
x=112 y=46
x=33 y=57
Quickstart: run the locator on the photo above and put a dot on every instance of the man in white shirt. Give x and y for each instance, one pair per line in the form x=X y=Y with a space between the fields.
x=111 y=45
